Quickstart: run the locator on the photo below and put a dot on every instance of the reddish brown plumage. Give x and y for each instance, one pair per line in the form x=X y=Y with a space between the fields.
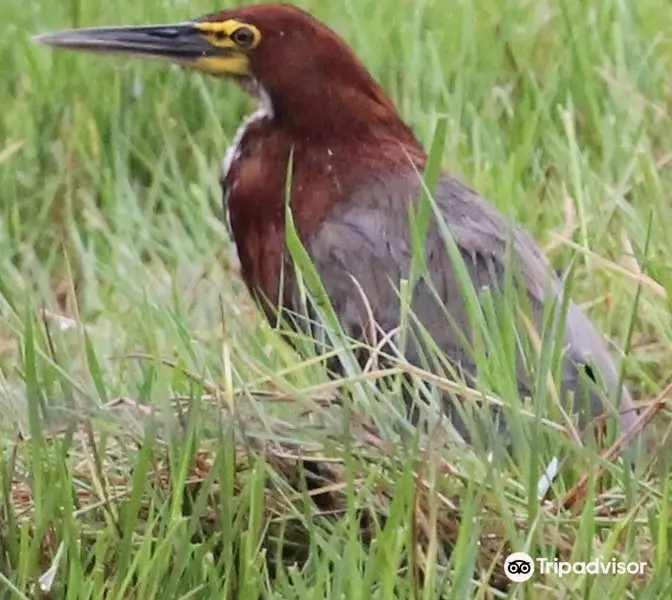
x=325 y=174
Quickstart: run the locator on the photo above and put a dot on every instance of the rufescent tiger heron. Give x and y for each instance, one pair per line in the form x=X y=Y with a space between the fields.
x=355 y=176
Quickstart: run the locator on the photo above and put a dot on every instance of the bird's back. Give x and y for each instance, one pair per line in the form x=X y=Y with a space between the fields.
x=367 y=240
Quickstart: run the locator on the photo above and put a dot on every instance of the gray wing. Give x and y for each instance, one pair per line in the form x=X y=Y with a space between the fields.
x=368 y=241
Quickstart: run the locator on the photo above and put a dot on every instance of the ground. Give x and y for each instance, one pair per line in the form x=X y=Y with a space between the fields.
x=127 y=340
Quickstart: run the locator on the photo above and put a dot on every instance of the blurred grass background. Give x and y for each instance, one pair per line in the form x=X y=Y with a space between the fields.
x=110 y=215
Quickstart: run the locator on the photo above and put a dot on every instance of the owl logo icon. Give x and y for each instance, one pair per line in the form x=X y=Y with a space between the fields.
x=519 y=567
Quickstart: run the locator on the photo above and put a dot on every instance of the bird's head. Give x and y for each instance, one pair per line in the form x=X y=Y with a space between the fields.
x=276 y=52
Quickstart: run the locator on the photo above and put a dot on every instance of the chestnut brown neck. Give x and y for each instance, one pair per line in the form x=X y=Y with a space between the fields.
x=351 y=105
x=323 y=165
x=325 y=172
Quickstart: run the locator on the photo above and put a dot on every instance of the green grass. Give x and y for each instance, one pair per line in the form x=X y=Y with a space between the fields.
x=123 y=473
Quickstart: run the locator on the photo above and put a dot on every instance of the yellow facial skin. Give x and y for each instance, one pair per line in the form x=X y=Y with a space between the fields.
x=236 y=37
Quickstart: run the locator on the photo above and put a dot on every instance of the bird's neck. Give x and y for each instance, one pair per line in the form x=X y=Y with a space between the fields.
x=321 y=119
x=320 y=173
x=270 y=158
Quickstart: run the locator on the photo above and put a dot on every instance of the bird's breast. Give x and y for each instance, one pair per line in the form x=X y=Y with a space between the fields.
x=254 y=177
x=324 y=177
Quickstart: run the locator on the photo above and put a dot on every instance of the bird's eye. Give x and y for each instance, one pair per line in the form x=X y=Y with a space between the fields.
x=243 y=37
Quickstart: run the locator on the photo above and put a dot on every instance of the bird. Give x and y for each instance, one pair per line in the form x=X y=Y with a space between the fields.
x=328 y=144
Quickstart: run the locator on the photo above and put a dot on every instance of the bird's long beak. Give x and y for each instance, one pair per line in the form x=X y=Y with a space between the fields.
x=180 y=42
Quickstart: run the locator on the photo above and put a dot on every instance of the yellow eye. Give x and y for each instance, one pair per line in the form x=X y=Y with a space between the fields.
x=243 y=37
